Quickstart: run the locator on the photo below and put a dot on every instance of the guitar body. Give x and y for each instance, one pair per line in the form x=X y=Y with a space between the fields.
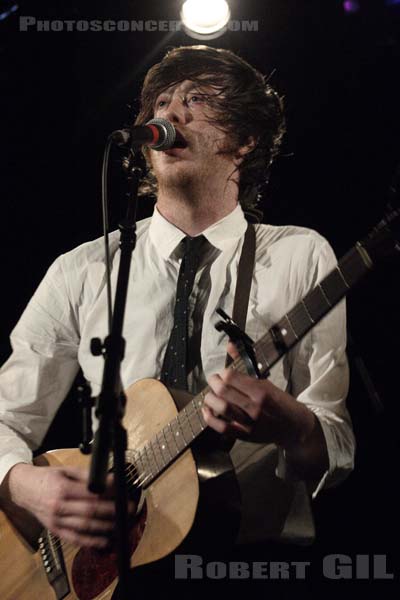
x=169 y=510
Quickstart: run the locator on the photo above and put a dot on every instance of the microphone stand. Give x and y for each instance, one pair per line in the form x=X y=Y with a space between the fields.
x=111 y=401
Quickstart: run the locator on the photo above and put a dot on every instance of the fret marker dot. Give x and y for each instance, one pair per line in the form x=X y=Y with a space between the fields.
x=163 y=447
x=259 y=366
x=284 y=331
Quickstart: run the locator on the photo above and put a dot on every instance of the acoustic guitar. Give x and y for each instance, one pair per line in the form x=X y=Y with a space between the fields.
x=160 y=463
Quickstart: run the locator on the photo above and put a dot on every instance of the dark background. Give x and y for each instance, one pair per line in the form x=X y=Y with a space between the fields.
x=63 y=93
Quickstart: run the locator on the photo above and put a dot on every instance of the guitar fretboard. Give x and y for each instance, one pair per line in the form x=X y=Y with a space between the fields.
x=312 y=308
x=170 y=442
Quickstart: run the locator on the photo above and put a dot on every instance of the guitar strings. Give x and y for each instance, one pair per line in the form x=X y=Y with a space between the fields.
x=133 y=477
x=186 y=414
x=139 y=478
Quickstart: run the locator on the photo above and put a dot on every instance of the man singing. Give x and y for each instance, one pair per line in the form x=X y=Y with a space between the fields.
x=293 y=432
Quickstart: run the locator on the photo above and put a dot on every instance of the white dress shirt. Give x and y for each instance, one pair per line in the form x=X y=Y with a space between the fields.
x=53 y=337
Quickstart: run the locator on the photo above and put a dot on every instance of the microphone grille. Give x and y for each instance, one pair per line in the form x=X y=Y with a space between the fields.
x=167 y=134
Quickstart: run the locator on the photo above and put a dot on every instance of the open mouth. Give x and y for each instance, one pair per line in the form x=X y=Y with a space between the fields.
x=180 y=141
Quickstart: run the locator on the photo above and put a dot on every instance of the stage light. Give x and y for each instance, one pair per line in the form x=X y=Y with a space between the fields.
x=7 y=9
x=351 y=6
x=205 y=19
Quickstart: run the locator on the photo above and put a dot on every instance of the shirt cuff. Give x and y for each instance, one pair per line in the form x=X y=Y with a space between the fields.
x=340 y=455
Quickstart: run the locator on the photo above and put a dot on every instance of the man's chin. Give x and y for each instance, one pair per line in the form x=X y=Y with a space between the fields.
x=180 y=175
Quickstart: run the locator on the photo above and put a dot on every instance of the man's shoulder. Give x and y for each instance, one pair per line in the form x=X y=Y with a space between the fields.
x=93 y=252
x=290 y=235
x=296 y=247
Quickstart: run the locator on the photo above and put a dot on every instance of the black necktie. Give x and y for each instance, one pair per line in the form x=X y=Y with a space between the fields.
x=174 y=370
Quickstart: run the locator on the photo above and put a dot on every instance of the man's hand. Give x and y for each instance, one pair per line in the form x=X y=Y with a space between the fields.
x=59 y=498
x=258 y=411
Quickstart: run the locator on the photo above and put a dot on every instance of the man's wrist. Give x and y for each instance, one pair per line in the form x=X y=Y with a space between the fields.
x=14 y=485
x=307 y=453
x=301 y=428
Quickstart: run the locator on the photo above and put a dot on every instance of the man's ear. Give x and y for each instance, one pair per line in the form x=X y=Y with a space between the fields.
x=246 y=148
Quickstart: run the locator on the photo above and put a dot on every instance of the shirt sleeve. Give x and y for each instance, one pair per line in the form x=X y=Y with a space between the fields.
x=36 y=378
x=320 y=379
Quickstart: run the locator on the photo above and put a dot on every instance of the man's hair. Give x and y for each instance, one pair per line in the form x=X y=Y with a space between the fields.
x=244 y=105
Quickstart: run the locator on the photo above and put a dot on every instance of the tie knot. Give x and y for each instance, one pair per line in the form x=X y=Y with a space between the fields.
x=193 y=245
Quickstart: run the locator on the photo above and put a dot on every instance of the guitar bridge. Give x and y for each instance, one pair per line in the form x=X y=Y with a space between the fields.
x=51 y=553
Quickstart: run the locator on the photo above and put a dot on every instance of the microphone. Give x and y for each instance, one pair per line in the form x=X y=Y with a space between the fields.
x=157 y=134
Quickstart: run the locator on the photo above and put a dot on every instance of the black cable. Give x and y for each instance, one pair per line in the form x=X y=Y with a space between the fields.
x=104 y=203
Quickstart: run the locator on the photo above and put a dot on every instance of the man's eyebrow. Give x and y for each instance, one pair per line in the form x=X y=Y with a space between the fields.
x=164 y=92
x=198 y=88
x=192 y=88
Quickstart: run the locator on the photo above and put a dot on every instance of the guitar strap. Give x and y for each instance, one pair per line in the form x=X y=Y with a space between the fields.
x=244 y=278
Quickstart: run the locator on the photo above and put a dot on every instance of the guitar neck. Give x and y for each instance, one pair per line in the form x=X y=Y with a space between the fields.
x=295 y=324
x=169 y=443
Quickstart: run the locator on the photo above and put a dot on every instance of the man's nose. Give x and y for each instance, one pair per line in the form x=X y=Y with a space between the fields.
x=178 y=111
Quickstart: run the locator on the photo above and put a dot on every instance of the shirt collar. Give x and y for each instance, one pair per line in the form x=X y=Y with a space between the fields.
x=166 y=237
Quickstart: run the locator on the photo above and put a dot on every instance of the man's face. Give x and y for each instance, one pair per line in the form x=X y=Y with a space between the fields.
x=186 y=106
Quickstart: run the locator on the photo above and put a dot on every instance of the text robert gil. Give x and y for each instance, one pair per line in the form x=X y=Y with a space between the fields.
x=334 y=566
